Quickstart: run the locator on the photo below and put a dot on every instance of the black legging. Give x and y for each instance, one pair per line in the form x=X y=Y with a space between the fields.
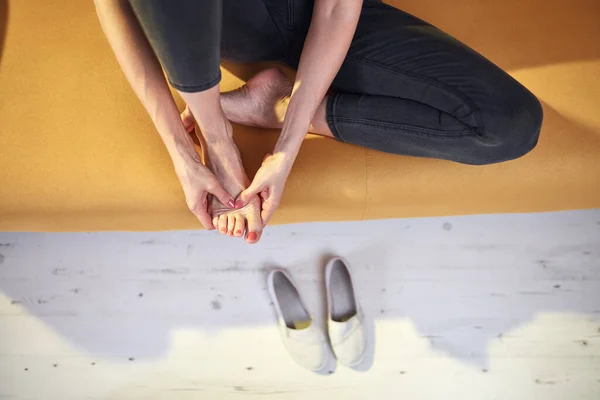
x=405 y=87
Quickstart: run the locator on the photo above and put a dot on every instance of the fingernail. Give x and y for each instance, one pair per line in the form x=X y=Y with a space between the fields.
x=252 y=236
x=238 y=204
x=231 y=204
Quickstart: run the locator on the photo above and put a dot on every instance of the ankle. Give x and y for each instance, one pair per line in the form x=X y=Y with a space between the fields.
x=216 y=131
x=206 y=110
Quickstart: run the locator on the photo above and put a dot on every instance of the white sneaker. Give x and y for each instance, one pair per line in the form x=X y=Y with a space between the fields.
x=303 y=339
x=346 y=320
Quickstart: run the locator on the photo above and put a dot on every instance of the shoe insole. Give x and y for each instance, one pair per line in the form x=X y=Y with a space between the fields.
x=343 y=306
x=294 y=314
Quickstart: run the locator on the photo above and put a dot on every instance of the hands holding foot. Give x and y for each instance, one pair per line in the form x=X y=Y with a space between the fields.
x=209 y=189
x=261 y=102
x=268 y=184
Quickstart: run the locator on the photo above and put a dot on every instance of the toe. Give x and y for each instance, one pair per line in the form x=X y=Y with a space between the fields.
x=240 y=226
x=215 y=222
x=223 y=223
x=254 y=227
x=230 y=224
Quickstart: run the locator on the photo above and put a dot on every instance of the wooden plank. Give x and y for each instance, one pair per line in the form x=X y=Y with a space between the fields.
x=490 y=307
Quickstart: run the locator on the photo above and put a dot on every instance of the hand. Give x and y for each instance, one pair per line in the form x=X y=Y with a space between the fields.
x=269 y=183
x=198 y=182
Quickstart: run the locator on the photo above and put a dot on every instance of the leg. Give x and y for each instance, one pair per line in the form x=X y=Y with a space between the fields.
x=262 y=102
x=408 y=88
x=186 y=39
x=254 y=31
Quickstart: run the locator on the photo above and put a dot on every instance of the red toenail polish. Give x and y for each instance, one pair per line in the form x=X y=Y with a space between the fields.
x=252 y=236
x=238 y=232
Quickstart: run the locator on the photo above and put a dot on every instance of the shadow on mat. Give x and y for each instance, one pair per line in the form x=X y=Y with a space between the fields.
x=3 y=24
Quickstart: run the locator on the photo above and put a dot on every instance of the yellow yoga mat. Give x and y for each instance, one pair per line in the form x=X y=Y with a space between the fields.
x=78 y=152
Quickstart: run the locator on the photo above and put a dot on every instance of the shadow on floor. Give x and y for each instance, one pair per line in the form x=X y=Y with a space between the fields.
x=458 y=284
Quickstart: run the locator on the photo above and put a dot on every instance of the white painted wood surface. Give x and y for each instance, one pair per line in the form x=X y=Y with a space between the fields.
x=484 y=307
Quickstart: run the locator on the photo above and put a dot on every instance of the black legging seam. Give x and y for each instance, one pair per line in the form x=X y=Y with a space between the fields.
x=330 y=118
x=473 y=109
x=443 y=134
x=279 y=24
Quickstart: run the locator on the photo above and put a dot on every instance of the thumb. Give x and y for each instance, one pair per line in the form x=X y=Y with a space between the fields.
x=249 y=193
x=220 y=193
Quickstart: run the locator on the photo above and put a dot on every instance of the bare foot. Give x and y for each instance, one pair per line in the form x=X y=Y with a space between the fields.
x=236 y=222
x=261 y=102
x=223 y=159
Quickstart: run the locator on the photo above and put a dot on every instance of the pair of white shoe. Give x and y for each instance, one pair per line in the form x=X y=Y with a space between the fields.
x=302 y=337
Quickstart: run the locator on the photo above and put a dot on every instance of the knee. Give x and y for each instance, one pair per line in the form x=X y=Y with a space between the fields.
x=512 y=133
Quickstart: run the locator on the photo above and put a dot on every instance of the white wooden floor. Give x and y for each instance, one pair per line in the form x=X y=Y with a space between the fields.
x=485 y=307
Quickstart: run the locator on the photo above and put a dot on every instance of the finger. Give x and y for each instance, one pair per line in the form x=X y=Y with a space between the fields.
x=223 y=223
x=268 y=208
x=264 y=195
x=239 y=204
x=230 y=224
x=240 y=226
x=201 y=213
x=187 y=119
x=217 y=190
x=248 y=194
x=266 y=216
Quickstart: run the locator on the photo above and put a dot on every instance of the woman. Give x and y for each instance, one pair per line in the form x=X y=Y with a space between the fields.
x=367 y=74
